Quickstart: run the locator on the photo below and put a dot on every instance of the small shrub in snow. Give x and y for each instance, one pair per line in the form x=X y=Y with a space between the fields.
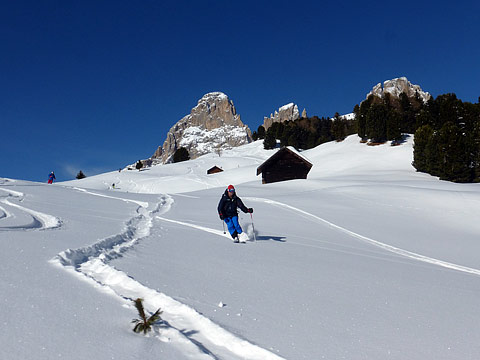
x=81 y=175
x=144 y=324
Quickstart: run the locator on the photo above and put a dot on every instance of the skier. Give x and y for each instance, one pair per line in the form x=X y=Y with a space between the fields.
x=227 y=210
x=51 y=177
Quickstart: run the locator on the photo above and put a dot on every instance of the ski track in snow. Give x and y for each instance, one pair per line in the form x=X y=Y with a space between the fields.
x=389 y=248
x=195 y=335
x=140 y=203
x=198 y=227
x=40 y=221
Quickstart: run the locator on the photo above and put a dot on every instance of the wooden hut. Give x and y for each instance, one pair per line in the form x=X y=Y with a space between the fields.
x=285 y=164
x=214 y=170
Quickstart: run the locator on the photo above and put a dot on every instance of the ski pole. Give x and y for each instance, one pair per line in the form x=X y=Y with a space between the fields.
x=253 y=228
x=223 y=223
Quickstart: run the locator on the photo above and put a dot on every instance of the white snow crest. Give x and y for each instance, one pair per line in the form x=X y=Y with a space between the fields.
x=112 y=247
x=286 y=107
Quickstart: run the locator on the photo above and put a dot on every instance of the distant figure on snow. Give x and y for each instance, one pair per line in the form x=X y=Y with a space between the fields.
x=227 y=210
x=51 y=177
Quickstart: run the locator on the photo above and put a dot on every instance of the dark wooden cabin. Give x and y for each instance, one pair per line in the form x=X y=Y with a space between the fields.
x=285 y=164
x=214 y=170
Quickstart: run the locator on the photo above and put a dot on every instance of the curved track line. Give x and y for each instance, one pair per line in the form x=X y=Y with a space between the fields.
x=185 y=322
x=143 y=204
x=4 y=213
x=14 y=193
x=47 y=221
x=198 y=227
x=376 y=243
x=41 y=220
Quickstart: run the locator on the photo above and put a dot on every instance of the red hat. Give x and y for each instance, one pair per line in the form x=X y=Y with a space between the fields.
x=231 y=188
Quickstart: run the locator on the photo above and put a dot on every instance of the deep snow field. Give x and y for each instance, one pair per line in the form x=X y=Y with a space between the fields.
x=366 y=259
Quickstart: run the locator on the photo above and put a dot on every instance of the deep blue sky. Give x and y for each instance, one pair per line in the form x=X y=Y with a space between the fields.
x=96 y=85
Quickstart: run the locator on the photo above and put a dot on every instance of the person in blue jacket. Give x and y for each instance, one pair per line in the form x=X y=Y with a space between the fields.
x=228 y=212
x=51 y=177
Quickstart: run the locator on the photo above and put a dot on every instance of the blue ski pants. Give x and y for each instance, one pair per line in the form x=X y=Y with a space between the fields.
x=233 y=225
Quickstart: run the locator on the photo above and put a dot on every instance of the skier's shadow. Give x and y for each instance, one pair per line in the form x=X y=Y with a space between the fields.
x=271 y=238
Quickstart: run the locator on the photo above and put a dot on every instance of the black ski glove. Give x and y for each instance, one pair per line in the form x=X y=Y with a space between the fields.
x=221 y=216
x=250 y=210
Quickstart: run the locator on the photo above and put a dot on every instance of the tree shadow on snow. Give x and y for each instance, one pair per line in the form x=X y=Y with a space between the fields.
x=188 y=334
x=401 y=141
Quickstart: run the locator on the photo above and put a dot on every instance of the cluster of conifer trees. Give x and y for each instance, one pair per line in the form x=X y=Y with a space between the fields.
x=447 y=132
x=447 y=139
x=305 y=133
x=384 y=119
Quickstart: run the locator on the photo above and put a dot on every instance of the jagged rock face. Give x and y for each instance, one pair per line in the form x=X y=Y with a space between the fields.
x=396 y=86
x=285 y=113
x=213 y=125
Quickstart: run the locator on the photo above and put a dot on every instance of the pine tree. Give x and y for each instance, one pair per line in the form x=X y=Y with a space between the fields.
x=449 y=108
x=451 y=149
x=261 y=132
x=81 y=175
x=376 y=124
x=421 y=139
x=181 y=155
x=362 y=117
x=393 y=125
x=475 y=141
x=311 y=140
x=339 y=127
x=284 y=131
x=269 y=142
x=407 y=124
x=434 y=153
x=144 y=324
x=425 y=117
x=456 y=159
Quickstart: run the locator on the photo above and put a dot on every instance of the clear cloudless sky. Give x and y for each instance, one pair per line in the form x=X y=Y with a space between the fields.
x=96 y=85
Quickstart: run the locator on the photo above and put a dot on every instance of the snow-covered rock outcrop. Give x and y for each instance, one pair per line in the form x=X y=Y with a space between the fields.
x=396 y=86
x=285 y=113
x=212 y=126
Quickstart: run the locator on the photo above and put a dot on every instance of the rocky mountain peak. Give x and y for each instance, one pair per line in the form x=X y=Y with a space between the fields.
x=211 y=126
x=396 y=86
x=284 y=113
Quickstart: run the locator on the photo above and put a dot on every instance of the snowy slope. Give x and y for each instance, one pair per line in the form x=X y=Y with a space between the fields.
x=366 y=259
